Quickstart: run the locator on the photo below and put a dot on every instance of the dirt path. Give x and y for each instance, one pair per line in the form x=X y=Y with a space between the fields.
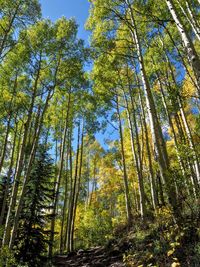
x=94 y=257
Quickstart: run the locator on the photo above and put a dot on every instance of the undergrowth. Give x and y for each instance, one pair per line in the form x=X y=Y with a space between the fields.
x=164 y=243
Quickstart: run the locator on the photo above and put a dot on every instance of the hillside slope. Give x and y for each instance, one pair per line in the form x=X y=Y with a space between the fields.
x=161 y=244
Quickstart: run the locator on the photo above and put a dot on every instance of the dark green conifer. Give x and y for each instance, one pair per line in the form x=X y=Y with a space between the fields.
x=33 y=233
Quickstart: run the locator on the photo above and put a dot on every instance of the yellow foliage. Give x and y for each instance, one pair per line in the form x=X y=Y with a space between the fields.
x=188 y=88
x=6 y=96
x=174 y=244
x=170 y=252
x=175 y=264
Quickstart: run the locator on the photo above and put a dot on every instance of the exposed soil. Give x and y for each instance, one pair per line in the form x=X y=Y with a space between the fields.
x=109 y=256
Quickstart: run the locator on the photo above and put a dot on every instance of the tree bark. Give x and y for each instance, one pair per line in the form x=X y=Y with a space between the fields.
x=154 y=122
x=189 y=18
x=6 y=236
x=152 y=179
x=8 y=178
x=72 y=196
x=136 y=156
x=78 y=187
x=67 y=232
x=27 y=174
x=125 y=177
x=57 y=186
x=191 y=52
x=62 y=232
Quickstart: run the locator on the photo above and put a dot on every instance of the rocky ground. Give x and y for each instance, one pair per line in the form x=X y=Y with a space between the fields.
x=109 y=256
x=163 y=245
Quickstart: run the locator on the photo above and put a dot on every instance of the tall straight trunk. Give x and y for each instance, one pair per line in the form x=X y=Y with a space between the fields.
x=90 y=194
x=181 y=134
x=67 y=230
x=171 y=126
x=34 y=146
x=187 y=128
x=50 y=244
x=184 y=140
x=173 y=130
x=154 y=193
x=180 y=129
x=190 y=140
x=3 y=152
x=62 y=232
x=6 y=236
x=190 y=18
x=10 y=113
x=87 y=198
x=193 y=79
x=154 y=122
x=190 y=49
x=167 y=110
x=57 y=186
x=136 y=155
x=9 y=29
x=125 y=177
x=3 y=208
x=28 y=170
x=161 y=193
x=78 y=187
x=72 y=196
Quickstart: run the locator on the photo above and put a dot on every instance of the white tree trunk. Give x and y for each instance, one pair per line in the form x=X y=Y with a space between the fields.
x=27 y=174
x=190 y=19
x=191 y=143
x=191 y=52
x=137 y=159
x=154 y=122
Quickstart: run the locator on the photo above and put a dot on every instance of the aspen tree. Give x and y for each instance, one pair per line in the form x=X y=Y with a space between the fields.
x=190 y=49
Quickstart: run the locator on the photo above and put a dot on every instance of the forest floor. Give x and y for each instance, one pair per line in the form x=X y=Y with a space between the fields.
x=110 y=255
x=160 y=244
x=93 y=257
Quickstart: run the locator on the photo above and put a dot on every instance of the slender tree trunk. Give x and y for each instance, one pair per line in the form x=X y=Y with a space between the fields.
x=57 y=186
x=27 y=174
x=67 y=232
x=187 y=129
x=184 y=140
x=72 y=197
x=10 y=113
x=8 y=178
x=136 y=157
x=190 y=140
x=154 y=123
x=3 y=153
x=192 y=15
x=125 y=177
x=191 y=52
x=189 y=18
x=62 y=233
x=90 y=194
x=78 y=187
x=173 y=131
x=193 y=79
x=6 y=237
x=152 y=179
x=9 y=28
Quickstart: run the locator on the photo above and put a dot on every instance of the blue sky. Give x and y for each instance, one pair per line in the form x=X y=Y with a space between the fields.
x=78 y=9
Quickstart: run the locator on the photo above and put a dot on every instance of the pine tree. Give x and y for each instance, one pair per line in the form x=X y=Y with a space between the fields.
x=33 y=234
